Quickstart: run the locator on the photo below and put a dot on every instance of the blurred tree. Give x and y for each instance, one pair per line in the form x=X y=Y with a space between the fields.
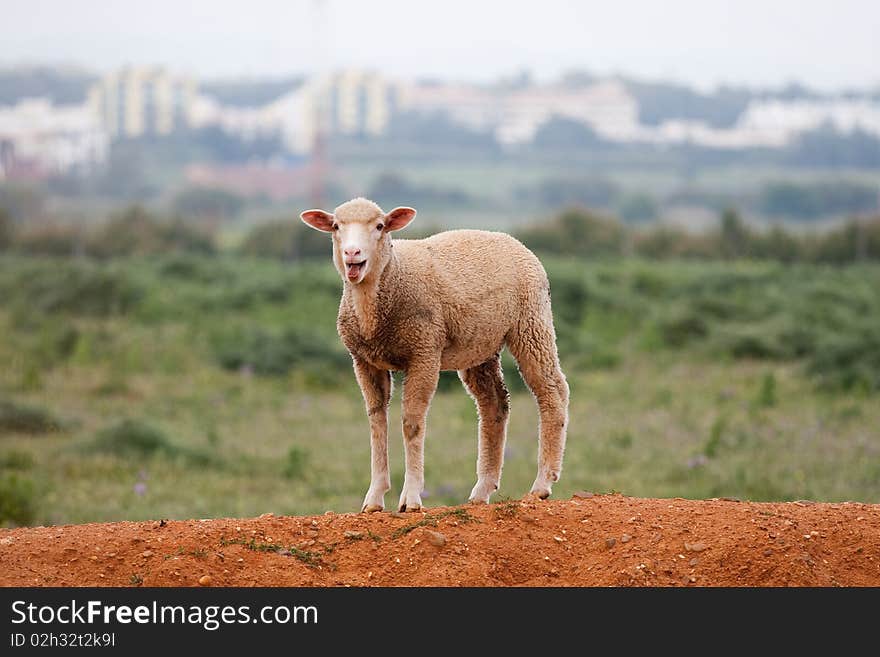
x=22 y=202
x=561 y=133
x=637 y=207
x=285 y=239
x=439 y=131
x=576 y=232
x=778 y=244
x=391 y=189
x=826 y=146
x=135 y=231
x=559 y=192
x=125 y=173
x=817 y=199
x=735 y=235
x=659 y=102
x=62 y=87
x=207 y=203
x=6 y=230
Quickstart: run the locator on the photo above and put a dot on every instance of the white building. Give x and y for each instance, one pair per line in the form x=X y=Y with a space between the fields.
x=49 y=139
x=134 y=102
x=790 y=118
x=770 y=124
x=515 y=114
x=350 y=103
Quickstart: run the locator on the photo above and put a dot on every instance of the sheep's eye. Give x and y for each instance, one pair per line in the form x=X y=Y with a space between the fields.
x=380 y=226
x=335 y=226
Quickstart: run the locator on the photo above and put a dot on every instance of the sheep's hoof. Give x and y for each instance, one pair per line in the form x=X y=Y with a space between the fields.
x=541 y=492
x=374 y=501
x=413 y=508
x=482 y=492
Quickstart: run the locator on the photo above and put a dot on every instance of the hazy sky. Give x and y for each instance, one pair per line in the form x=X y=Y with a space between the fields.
x=826 y=44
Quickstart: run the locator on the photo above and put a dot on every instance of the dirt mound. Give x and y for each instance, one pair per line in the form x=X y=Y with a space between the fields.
x=601 y=540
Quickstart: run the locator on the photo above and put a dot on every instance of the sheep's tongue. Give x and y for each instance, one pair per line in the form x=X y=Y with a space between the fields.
x=353 y=270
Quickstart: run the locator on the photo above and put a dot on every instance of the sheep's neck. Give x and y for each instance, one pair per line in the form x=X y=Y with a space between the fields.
x=365 y=299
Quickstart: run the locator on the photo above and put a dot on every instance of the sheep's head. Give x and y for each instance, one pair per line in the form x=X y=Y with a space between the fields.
x=360 y=231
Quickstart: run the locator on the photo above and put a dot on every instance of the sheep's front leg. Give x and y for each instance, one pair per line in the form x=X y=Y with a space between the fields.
x=419 y=386
x=376 y=387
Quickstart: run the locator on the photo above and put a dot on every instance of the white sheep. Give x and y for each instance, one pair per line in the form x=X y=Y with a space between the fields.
x=448 y=302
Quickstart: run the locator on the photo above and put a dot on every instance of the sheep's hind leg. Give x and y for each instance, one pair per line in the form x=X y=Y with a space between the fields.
x=533 y=344
x=485 y=383
x=419 y=386
x=376 y=387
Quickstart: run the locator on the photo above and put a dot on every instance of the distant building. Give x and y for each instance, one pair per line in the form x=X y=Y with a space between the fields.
x=514 y=114
x=349 y=103
x=38 y=139
x=790 y=118
x=135 y=102
x=770 y=124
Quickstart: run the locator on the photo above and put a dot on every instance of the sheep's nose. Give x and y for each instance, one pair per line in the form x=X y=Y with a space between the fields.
x=352 y=252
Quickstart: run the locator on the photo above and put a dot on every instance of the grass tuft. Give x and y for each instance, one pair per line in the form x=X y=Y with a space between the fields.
x=432 y=520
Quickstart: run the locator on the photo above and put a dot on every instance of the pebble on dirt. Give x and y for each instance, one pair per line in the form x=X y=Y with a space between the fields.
x=435 y=538
x=695 y=547
x=205 y=580
x=610 y=542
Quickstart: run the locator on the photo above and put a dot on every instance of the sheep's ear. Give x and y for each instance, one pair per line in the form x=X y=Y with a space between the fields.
x=399 y=218
x=318 y=219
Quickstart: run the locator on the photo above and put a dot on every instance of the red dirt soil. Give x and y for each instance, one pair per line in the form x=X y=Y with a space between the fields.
x=590 y=540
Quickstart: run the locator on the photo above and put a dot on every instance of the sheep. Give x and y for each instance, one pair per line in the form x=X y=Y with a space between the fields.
x=451 y=301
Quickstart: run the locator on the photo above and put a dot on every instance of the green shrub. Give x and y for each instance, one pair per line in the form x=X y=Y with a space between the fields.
x=20 y=418
x=296 y=462
x=570 y=293
x=76 y=288
x=49 y=239
x=576 y=232
x=16 y=459
x=286 y=239
x=682 y=328
x=750 y=341
x=135 y=231
x=271 y=354
x=136 y=438
x=586 y=352
x=17 y=500
x=849 y=361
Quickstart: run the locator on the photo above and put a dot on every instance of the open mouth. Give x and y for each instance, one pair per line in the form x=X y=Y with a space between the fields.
x=353 y=269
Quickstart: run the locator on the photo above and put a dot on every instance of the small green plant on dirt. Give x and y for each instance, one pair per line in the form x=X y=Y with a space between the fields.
x=135 y=580
x=433 y=520
x=178 y=552
x=312 y=559
x=506 y=509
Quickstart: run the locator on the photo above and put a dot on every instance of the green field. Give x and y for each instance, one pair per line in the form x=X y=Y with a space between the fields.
x=188 y=386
